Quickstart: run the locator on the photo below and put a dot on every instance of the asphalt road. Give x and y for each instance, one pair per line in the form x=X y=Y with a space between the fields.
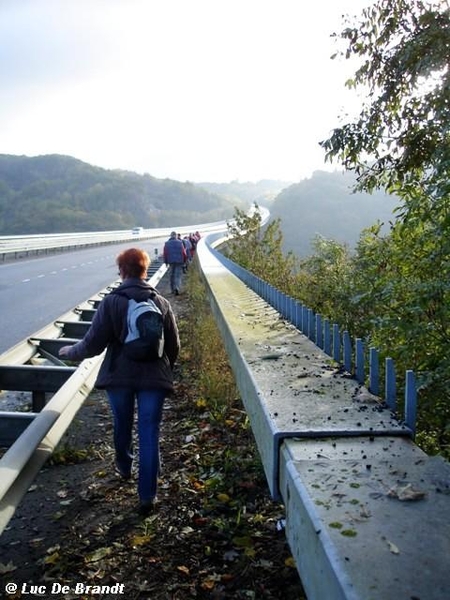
x=36 y=291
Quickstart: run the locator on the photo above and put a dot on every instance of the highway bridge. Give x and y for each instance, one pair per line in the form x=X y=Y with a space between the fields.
x=367 y=512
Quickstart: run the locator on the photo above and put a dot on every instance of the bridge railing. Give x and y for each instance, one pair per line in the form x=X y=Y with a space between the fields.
x=24 y=245
x=359 y=361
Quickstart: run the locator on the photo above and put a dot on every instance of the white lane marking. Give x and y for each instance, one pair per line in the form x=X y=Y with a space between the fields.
x=84 y=264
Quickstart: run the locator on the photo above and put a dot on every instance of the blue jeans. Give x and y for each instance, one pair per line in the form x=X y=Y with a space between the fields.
x=176 y=271
x=149 y=408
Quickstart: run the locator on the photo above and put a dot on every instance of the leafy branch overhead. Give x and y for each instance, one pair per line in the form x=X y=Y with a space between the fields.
x=401 y=138
x=399 y=288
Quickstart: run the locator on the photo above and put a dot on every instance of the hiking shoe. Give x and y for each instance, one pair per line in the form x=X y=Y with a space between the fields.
x=147 y=507
x=122 y=474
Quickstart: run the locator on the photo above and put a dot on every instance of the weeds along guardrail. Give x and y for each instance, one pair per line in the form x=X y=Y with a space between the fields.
x=367 y=512
x=57 y=393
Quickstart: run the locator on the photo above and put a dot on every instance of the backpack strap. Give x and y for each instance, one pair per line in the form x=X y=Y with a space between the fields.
x=123 y=292
x=154 y=296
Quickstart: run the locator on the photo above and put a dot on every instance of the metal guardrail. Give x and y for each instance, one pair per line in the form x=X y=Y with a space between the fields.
x=24 y=245
x=18 y=246
x=33 y=366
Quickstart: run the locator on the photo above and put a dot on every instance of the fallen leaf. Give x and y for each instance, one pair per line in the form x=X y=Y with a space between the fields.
x=406 y=493
x=243 y=541
x=290 y=562
x=223 y=498
x=187 y=530
x=8 y=568
x=393 y=548
x=97 y=555
x=207 y=584
x=140 y=540
x=36 y=541
x=101 y=473
x=52 y=558
x=183 y=569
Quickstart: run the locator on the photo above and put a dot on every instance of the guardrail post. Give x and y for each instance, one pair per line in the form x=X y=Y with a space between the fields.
x=410 y=401
x=347 y=351
x=311 y=325
x=276 y=304
x=284 y=305
x=297 y=321
x=390 y=384
x=305 y=320
x=292 y=309
x=374 y=372
x=319 y=331
x=327 y=337
x=336 y=343
x=359 y=360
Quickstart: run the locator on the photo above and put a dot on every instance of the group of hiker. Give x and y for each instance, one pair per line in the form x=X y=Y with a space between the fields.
x=178 y=253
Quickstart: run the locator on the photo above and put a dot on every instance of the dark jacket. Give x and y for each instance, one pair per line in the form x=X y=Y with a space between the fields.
x=174 y=252
x=108 y=330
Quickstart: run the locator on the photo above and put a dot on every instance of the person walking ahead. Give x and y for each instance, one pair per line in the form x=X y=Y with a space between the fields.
x=175 y=255
x=127 y=380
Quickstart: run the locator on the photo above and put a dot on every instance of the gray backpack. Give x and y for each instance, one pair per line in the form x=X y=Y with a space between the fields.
x=145 y=331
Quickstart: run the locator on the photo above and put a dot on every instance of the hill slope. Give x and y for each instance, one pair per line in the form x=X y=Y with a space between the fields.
x=263 y=192
x=54 y=193
x=325 y=205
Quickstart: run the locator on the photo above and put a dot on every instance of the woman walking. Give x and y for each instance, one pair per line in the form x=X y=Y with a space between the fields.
x=145 y=382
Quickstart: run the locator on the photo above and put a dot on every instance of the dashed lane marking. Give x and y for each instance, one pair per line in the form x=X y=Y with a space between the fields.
x=84 y=264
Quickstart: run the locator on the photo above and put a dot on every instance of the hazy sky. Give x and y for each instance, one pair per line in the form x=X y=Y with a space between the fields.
x=198 y=90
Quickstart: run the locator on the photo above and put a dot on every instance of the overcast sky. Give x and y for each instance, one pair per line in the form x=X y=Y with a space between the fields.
x=197 y=90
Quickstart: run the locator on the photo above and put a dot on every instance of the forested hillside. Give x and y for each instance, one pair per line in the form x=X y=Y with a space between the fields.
x=263 y=192
x=54 y=193
x=325 y=205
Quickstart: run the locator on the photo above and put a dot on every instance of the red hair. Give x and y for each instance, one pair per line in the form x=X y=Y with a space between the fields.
x=133 y=263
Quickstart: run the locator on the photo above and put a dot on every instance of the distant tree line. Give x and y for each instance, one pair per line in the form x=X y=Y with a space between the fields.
x=326 y=205
x=48 y=194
